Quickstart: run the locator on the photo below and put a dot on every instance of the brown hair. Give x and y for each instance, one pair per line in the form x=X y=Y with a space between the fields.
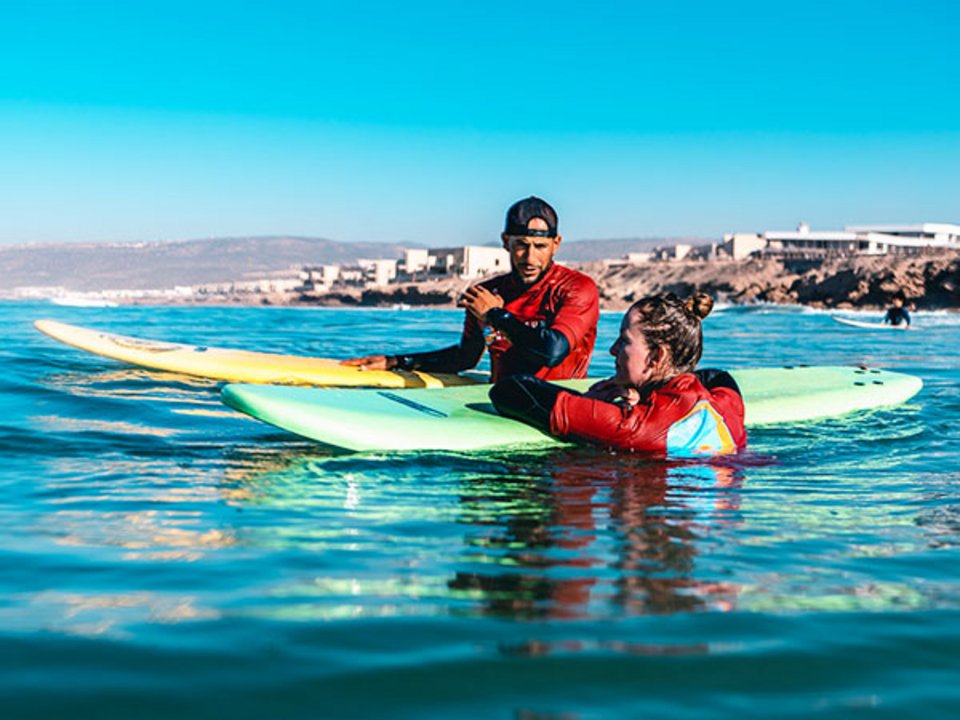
x=668 y=321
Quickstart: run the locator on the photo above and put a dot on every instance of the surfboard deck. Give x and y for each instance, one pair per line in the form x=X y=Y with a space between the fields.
x=864 y=325
x=242 y=366
x=462 y=418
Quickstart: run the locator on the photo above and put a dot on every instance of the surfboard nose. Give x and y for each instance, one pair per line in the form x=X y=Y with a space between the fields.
x=235 y=395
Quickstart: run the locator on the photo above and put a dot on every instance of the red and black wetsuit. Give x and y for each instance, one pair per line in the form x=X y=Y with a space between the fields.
x=692 y=414
x=546 y=330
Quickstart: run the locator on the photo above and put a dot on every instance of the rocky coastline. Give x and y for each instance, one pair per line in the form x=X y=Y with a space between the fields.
x=930 y=282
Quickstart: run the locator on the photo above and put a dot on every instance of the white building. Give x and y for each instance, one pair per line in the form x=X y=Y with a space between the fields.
x=268 y=285
x=671 y=252
x=378 y=272
x=923 y=235
x=852 y=240
x=415 y=260
x=470 y=261
x=320 y=277
x=742 y=245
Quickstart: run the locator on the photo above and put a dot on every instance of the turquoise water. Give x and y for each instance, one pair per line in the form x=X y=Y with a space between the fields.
x=163 y=557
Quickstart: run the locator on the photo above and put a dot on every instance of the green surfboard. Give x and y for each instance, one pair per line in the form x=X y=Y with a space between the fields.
x=462 y=418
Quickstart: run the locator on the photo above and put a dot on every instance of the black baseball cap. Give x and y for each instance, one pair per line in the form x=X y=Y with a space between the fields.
x=521 y=213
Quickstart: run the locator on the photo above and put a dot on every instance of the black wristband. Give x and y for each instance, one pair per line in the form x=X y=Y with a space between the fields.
x=403 y=362
x=495 y=317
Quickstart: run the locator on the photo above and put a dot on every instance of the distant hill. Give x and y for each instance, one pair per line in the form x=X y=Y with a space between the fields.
x=85 y=267
x=139 y=266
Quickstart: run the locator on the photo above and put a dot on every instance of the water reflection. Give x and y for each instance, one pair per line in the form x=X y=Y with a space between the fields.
x=561 y=534
x=591 y=533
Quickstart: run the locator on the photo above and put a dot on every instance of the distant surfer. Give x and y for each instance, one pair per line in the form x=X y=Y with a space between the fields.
x=655 y=403
x=897 y=314
x=539 y=319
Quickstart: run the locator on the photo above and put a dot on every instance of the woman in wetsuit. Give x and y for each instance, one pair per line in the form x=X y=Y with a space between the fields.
x=655 y=403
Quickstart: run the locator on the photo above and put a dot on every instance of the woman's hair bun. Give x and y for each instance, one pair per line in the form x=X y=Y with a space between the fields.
x=700 y=304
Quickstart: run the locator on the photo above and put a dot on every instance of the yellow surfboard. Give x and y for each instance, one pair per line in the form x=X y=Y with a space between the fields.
x=239 y=365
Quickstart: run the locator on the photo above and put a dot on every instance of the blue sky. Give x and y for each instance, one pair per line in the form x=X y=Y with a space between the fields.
x=423 y=121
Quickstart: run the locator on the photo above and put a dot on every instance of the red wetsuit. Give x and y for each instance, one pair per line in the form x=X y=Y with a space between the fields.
x=681 y=419
x=563 y=300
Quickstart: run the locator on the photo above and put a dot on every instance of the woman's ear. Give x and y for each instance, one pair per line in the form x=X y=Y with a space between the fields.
x=656 y=356
x=659 y=358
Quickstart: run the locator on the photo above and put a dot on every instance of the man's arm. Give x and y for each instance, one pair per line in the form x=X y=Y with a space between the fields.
x=544 y=345
x=577 y=313
x=540 y=343
x=453 y=359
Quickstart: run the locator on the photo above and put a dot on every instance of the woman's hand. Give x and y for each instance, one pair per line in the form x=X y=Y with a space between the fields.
x=609 y=391
x=372 y=362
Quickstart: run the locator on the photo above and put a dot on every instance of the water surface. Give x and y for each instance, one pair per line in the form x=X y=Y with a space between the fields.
x=163 y=556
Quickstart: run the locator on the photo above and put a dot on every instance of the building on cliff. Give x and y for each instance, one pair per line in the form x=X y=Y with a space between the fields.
x=852 y=240
x=468 y=262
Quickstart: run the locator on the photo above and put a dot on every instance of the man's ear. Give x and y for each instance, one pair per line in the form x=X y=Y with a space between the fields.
x=505 y=239
x=556 y=241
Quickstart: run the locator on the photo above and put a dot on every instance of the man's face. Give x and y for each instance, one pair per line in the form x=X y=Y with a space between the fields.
x=531 y=256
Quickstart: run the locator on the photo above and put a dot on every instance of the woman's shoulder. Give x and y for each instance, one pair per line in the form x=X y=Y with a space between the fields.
x=700 y=385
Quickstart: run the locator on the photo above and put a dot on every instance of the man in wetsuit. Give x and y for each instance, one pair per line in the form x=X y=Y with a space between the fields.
x=898 y=314
x=540 y=319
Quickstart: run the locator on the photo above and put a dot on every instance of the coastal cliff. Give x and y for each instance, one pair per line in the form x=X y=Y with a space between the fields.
x=930 y=281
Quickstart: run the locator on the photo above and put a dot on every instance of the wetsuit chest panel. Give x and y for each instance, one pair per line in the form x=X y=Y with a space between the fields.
x=701 y=431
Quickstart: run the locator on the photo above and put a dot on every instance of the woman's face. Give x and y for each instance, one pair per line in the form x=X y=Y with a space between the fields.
x=636 y=363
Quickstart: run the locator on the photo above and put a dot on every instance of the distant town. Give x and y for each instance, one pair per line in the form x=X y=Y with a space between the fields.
x=472 y=262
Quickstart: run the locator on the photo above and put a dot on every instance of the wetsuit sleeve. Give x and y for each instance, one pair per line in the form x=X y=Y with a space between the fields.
x=641 y=427
x=576 y=315
x=456 y=358
x=578 y=311
x=542 y=344
x=906 y=316
x=526 y=398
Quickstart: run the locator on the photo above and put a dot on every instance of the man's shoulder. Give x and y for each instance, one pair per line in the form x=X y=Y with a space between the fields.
x=573 y=279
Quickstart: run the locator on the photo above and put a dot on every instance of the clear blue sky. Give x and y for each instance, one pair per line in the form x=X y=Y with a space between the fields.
x=423 y=121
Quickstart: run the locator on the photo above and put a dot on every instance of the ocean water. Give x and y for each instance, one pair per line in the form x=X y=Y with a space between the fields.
x=161 y=556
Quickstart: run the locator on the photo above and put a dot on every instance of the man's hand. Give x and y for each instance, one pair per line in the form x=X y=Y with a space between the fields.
x=372 y=362
x=478 y=301
x=609 y=391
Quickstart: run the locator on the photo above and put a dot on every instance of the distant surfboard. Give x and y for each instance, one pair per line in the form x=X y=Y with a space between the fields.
x=869 y=325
